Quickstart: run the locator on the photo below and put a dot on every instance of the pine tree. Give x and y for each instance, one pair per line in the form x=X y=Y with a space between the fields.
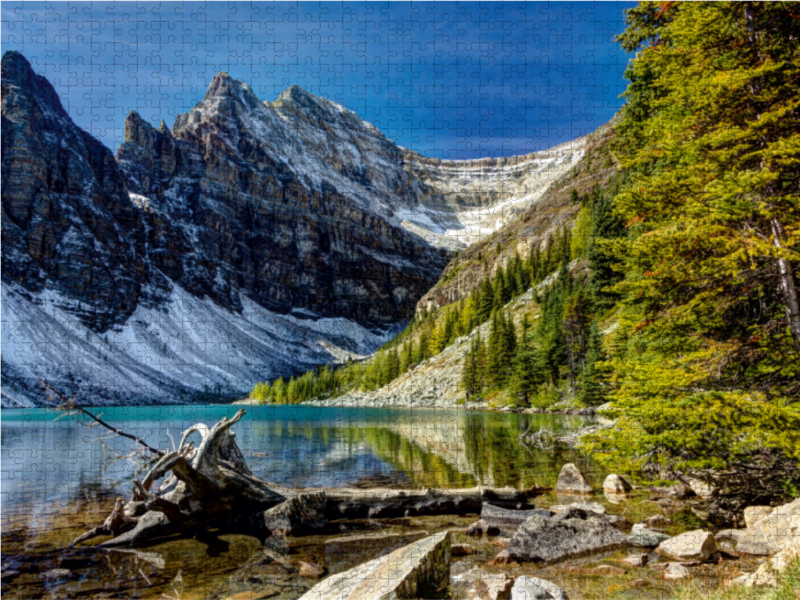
x=422 y=350
x=499 y=285
x=392 y=365
x=470 y=375
x=407 y=357
x=486 y=300
x=606 y=227
x=494 y=359
x=593 y=381
x=575 y=326
x=526 y=376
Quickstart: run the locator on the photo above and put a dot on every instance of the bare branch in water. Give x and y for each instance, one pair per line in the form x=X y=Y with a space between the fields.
x=69 y=404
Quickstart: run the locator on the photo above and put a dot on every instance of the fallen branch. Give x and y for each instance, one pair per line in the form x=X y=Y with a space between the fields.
x=70 y=404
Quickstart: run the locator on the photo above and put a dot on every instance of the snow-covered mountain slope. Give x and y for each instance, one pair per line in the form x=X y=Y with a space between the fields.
x=254 y=239
x=186 y=348
x=465 y=201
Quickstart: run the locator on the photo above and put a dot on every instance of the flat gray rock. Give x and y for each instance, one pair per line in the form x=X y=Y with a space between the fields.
x=572 y=532
x=506 y=518
x=419 y=570
x=645 y=538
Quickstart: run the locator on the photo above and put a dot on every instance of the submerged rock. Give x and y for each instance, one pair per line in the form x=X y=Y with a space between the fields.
x=588 y=506
x=675 y=571
x=461 y=550
x=490 y=587
x=311 y=570
x=503 y=559
x=635 y=560
x=617 y=521
x=419 y=570
x=692 y=545
x=573 y=532
x=58 y=574
x=481 y=527
x=533 y=588
x=572 y=481
x=658 y=522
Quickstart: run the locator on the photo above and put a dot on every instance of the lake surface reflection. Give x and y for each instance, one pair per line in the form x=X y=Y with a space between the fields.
x=59 y=476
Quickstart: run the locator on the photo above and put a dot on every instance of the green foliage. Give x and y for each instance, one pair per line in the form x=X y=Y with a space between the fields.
x=593 y=385
x=582 y=232
x=545 y=397
x=705 y=361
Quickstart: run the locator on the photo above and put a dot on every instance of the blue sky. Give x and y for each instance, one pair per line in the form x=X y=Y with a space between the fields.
x=448 y=79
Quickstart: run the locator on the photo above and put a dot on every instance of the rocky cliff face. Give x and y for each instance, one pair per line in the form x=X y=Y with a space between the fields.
x=67 y=219
x=255 y=197
x=254 y=239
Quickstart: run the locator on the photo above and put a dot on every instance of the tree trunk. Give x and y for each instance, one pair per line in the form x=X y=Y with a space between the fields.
x=786 y=274
x=785 y=271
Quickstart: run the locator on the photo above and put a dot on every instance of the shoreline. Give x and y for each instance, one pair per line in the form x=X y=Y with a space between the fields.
x=475 y=406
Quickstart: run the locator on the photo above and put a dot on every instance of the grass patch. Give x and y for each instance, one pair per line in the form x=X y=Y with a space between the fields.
x=544 y=398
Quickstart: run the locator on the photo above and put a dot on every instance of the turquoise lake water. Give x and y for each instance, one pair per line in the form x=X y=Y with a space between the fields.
x=48 y=458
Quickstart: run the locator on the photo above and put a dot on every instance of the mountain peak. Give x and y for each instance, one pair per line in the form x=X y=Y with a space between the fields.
x=225 y=86
x=16 y=70
x=16 y=67
x=297 y=94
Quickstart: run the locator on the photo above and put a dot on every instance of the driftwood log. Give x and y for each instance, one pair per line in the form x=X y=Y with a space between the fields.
x=211 y=484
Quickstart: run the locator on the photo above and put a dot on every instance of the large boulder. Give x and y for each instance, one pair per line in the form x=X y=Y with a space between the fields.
x=767 y=574
x=702 y=488
x=573 y=532
x=419 y=570
x=572 y=481
x=302 y=515
x=692 y=545
x=614 y=484
x=533 y=588
x=772 y=533
x=727 y=540
x=753 y=514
